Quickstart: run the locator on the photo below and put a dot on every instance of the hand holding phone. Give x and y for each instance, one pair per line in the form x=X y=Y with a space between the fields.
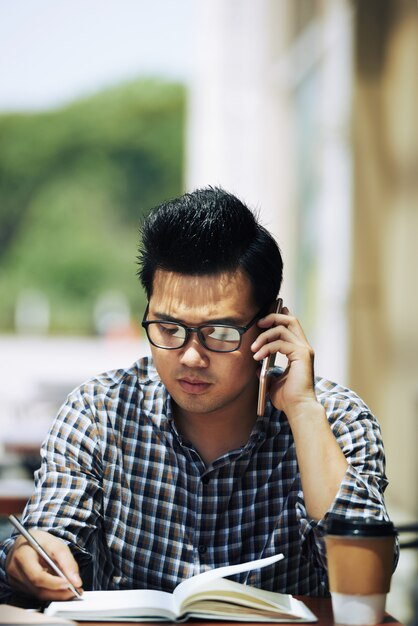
x=268 y=364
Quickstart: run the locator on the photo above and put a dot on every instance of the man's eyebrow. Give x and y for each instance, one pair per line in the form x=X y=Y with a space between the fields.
x=219 y=320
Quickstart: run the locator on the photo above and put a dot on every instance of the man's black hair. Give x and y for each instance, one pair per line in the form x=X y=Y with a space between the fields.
x=206 y=232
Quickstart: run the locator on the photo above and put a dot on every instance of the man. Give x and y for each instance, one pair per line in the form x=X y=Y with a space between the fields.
x=152 y=474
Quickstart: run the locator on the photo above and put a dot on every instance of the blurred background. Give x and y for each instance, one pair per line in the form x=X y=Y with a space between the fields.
x=306 y=109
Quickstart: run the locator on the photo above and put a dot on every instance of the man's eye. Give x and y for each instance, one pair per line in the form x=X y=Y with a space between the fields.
x=223 y=334
x=171 y=330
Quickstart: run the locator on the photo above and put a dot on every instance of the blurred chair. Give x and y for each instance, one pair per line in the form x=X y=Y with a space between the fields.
x=411 y=541
x=14 y=493
x=414 y=619
x=410 y=529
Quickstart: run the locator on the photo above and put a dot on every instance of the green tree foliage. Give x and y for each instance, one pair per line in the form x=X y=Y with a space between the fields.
x=74 y=184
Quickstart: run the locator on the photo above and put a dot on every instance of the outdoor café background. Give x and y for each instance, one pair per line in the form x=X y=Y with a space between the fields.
x=306 y=109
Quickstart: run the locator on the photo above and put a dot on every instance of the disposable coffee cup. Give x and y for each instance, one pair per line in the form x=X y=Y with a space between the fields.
x=360 y=557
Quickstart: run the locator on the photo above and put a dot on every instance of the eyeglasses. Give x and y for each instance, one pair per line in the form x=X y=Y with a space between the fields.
x=215 y=337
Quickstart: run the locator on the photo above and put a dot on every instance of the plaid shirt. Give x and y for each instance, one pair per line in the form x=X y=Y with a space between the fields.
x=141 y=510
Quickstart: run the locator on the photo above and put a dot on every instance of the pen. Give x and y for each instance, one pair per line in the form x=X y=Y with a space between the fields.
x=39 y=549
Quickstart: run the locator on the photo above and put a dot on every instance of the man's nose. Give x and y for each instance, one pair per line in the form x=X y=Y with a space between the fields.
x=193 y=353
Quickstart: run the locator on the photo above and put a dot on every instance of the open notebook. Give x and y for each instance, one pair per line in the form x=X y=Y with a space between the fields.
x=204 y=596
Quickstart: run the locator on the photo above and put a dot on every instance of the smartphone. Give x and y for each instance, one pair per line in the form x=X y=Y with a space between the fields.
x=266 y=367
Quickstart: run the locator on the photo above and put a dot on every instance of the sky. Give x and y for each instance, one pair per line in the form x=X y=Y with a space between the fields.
x=54 y=51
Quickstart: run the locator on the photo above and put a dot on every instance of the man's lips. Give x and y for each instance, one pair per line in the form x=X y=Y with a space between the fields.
x=191 y=385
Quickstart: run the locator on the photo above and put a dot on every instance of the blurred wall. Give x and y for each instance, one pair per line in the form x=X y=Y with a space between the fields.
x=269 y=116
x=384 y=294
x=239 y=135
x=307 y=109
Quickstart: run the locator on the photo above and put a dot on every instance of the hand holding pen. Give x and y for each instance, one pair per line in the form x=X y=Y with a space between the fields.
x=27 y=572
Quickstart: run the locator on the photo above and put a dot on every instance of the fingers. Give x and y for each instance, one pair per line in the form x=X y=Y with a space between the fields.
x=63 y=557
x=283 y=334
x=281 y=341
x=282 y=319
x=39 y=584
x=28 y=573
x=282 y=327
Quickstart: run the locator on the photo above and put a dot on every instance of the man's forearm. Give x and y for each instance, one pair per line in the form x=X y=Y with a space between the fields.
x=321 y=461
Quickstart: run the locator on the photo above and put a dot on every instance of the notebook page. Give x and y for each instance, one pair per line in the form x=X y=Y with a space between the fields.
x=189 y=585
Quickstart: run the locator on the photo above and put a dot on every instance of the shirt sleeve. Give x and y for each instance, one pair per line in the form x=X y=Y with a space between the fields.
x=67 y=501
x=360 y=494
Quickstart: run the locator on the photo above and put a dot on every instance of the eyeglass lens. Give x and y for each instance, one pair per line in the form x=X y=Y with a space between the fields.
x=214 y=337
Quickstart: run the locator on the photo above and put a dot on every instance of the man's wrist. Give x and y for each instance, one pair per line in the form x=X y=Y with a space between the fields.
x=305 y=410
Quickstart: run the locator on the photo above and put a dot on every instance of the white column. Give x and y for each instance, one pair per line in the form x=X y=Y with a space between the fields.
x=239 y=132
x=335 y=195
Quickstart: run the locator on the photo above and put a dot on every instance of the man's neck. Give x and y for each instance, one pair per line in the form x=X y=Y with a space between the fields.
x=214 y=434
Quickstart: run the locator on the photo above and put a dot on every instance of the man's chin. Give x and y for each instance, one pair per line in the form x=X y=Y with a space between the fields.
x=198 y=403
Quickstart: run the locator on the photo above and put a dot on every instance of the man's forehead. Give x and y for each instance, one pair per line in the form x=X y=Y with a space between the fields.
x=172 y=290
x=226 y=281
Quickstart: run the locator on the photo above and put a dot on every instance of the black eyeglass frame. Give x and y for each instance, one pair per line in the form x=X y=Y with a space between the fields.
x=198 y=330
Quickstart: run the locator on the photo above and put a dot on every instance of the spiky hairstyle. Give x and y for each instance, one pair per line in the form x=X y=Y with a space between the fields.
x=206 y=232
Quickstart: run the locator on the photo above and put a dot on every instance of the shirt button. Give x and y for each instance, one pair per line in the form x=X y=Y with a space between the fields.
x=202 y=549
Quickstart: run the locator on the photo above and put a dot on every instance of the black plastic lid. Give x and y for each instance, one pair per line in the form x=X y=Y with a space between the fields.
x=367 y=527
